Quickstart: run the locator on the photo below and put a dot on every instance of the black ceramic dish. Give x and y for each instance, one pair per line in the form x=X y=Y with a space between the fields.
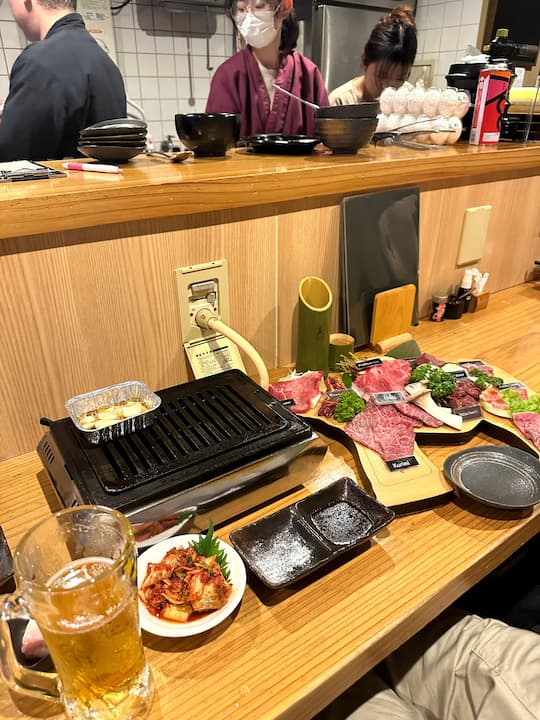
x=499 y=476
x=112 y=142
x=288 y=545
x=7 y=582
x=277 y=144
x=208 y=134
x=116 y=139
x=117 y=126
x=111 y=153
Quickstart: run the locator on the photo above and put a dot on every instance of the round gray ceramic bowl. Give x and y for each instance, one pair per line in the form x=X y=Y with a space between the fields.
x=344 y=136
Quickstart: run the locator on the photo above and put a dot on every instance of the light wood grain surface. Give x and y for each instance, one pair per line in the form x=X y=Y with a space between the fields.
x=152 y=189
x=285 y=654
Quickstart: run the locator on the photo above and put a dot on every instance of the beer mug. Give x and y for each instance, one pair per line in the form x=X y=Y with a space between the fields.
x=76 y=577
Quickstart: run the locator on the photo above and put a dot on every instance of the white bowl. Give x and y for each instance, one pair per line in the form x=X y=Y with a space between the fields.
x=168 y=628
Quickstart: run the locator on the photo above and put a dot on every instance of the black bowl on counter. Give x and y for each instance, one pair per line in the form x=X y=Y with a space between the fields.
x=208 y=134
x=345 y=136
x=359 y=110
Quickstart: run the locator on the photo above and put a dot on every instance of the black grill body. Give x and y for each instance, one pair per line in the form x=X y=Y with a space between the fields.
x=209 y=438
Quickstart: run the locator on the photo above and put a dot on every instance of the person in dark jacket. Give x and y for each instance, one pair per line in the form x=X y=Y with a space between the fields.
x=59 y=84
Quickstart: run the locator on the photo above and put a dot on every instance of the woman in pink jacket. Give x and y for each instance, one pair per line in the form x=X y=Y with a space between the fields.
x=245 y=82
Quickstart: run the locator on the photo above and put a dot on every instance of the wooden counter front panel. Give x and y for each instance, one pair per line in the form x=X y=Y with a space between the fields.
x=87 y=308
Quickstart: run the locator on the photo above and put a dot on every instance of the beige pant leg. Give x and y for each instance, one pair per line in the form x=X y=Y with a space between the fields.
x=370 y=699
x=470 y=668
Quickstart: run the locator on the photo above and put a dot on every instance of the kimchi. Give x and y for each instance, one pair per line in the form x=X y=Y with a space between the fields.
x=182 y=584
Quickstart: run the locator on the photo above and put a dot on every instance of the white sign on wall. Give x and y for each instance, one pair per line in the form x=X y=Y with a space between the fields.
x=97 y=17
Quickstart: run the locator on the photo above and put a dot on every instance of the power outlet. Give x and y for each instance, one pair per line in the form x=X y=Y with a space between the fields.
x=202 y=286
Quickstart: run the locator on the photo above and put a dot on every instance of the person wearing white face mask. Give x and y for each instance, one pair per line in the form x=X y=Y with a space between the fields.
x=245 y=82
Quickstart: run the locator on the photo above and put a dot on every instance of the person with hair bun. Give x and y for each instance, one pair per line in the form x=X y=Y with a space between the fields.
x=245 y=82
x=388 y=56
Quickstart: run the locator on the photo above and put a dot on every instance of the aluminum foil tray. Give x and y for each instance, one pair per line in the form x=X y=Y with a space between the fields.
x=81 y=404
x=293 y=542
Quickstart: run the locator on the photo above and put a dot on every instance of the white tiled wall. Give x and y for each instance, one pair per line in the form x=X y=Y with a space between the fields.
x=445 y=29
x=152 y=46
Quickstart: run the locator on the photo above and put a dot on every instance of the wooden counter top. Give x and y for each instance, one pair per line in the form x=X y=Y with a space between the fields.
x=285 y=654
x=151 y=188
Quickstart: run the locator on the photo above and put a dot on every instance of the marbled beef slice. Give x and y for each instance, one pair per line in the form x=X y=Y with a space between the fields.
x=529 y=424
x=383 y=429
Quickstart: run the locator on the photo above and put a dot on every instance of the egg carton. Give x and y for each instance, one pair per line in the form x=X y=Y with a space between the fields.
x=433 y=115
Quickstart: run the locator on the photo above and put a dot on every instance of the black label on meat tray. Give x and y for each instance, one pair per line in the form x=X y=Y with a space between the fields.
x=365 y=364
x=388 y=398
x=510 y=385
x=458 y=374
x=468 y=413
x=401 y=463
x=472 y=362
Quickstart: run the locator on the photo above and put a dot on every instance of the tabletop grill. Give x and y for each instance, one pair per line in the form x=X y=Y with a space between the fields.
x=221 y=444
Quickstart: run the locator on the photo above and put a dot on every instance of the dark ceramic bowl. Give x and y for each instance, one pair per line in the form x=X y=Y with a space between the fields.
x=346 y=135
x=208 y=134
x=360 y=110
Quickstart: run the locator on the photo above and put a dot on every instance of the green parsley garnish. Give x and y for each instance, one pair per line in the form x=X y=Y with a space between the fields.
x=348 y=405
x=438 y=381
x=482 y=380
x=207 y=545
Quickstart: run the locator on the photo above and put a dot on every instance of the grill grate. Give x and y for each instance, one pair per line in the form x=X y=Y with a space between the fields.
x=202 y=429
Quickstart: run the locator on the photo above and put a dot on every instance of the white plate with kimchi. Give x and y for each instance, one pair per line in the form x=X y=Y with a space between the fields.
x=182 y=593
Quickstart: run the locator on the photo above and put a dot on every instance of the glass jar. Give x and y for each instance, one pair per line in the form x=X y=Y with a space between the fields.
x=438 y=307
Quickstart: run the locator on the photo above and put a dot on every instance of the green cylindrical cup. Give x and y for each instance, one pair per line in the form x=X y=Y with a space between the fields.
x=314 y=315
x=341 y=345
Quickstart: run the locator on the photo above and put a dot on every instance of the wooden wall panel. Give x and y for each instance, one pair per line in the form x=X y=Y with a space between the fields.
x=86 y=308
x=308 y=244
x=79 y=315
x=513 y=240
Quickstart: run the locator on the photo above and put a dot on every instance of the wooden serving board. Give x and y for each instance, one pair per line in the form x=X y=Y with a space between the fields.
x=409 y=490
x=424 y=485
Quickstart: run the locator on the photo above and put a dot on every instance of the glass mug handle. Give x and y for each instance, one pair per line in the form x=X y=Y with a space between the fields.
x=36 y=683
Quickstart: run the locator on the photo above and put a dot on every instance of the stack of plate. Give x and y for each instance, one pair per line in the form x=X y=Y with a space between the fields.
x=115 y=140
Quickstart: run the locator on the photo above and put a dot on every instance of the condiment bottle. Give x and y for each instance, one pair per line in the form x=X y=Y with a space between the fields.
x=454 y=308
x=438 y=306
x=464 y=293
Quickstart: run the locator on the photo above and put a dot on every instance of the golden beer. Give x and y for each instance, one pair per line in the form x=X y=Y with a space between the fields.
x=76 y=576
x=93 y=636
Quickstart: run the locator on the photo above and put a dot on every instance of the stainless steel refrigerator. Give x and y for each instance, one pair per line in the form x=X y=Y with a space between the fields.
x=334 y=33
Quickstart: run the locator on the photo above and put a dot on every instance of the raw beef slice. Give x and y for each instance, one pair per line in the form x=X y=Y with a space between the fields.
x=390 y=375
x=529 y=424
x=384 y=429
x=304 y=390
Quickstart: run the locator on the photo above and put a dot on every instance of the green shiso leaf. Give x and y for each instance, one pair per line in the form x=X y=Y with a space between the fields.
x=208 y=545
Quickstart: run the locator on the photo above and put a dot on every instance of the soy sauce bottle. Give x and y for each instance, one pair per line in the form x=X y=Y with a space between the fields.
x=464 y=293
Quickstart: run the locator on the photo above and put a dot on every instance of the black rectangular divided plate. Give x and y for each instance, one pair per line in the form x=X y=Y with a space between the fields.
x=299 y=536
